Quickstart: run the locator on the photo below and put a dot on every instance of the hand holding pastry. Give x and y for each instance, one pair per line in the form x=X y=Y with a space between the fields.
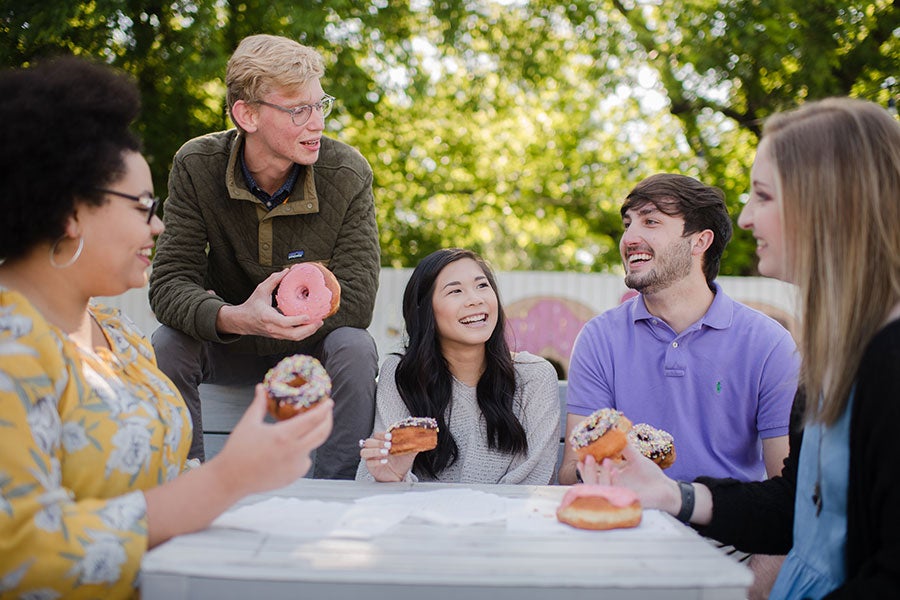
x=257 y=316
x=638 y=473
x=602 y=434
x=382 y=464
x=259 y=456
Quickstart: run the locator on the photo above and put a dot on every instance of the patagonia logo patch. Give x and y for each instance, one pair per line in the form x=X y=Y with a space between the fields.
x=295 y=254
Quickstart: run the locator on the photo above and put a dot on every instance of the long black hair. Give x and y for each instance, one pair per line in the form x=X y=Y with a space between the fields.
x=423 y=376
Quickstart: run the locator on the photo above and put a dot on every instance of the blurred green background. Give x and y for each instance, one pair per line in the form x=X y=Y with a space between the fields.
x=510 y=127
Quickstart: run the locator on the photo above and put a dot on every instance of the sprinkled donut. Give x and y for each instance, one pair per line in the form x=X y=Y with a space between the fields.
x=603 y=434
x=655 y=444
x=309 y=289
x=295 y=384
x=413 y=434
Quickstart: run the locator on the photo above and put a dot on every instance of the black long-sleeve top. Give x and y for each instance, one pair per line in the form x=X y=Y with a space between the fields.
x=759 y=516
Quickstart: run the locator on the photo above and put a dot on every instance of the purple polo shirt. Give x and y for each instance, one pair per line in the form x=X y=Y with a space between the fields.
x=720 y=387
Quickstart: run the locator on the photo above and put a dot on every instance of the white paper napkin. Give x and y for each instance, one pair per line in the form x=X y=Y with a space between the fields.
x=373 y=515
x=444 y=507
x=291 y=517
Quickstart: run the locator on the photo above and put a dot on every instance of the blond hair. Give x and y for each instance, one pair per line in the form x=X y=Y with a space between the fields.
x=262 y=63
x=838 y=163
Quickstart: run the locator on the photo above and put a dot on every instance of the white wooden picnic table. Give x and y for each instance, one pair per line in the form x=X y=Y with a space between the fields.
x=418 y=559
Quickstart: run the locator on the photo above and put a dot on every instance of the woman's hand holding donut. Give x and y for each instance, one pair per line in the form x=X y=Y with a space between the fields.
x=637 y=472
x=260 y=456
x=383 y=465
x=257 y=316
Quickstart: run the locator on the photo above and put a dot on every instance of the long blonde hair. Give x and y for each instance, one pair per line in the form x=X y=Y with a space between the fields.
x=838 y=163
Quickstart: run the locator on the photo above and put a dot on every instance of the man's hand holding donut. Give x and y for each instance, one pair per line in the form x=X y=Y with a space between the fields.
x=257 y=316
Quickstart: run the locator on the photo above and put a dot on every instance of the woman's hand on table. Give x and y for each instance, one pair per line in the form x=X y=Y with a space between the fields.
x=383 y=465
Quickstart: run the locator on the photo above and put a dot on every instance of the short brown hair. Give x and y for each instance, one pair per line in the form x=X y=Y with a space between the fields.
x=701 y=206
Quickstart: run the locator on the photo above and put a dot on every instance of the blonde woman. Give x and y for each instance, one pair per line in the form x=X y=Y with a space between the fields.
x=825 y=211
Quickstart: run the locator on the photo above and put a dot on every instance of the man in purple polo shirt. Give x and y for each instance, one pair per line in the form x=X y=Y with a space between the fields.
x=681 y=355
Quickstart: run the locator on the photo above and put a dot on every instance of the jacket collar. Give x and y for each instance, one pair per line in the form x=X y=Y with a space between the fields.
x=238 y=189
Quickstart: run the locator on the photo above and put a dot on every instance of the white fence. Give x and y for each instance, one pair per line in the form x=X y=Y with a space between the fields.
x=545 y=309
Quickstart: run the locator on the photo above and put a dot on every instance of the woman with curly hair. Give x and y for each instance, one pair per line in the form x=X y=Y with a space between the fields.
x=93 y=436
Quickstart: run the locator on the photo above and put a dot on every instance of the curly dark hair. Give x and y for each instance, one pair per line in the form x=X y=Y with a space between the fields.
x=65 y=130
x=702 y=207
x=424 y=380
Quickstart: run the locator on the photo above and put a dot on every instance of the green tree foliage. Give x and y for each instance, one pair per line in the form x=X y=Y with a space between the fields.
x=512 y=127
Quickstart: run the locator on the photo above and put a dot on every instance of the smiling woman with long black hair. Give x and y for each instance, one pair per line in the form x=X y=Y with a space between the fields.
x=497 y=411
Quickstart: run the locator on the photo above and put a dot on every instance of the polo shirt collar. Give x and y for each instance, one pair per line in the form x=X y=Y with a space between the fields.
x=719 y=315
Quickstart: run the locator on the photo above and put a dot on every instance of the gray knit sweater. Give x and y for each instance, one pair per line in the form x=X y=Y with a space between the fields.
x=536 y=406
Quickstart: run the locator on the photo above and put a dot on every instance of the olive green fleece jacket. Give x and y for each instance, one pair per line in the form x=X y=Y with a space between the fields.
x=220 y=237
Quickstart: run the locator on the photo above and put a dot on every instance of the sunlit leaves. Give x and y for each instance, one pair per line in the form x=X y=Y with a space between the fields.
x=514 y=127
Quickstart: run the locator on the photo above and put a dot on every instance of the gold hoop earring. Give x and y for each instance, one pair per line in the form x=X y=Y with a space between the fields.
x=72 y=260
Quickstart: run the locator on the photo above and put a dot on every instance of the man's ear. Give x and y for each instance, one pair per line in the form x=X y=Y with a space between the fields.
x=245 y=116
x=702 y=241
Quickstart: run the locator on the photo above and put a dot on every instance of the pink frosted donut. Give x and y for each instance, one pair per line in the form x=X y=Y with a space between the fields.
x=599 y=507
x=309 y=289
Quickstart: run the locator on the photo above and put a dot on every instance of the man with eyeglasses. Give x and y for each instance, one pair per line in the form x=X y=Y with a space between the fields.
x=244 y=205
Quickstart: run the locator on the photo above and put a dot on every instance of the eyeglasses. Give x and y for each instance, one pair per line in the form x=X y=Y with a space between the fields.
x=301 y=114
x=147 y=202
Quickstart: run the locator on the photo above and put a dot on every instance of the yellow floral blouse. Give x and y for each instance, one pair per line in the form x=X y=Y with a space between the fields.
x=81 y=434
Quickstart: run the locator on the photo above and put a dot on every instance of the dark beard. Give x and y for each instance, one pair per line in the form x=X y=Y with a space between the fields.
x=673 y=264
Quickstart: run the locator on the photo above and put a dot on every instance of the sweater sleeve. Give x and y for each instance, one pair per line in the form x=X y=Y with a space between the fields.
x=873 y=521
x=539 y=416
x=356 y=258
x=177 y=295
x=389 y=408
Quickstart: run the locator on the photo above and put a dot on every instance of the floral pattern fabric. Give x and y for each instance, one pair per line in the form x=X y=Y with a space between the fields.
x=81 y=435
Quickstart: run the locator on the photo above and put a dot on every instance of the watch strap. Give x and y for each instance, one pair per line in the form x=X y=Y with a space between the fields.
x=687 y=501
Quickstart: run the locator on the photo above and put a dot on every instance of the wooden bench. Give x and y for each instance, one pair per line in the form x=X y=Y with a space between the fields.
x=223 y=406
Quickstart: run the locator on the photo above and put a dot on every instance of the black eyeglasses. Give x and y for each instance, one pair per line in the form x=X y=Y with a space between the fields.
x=301 y=114
x=147 y=202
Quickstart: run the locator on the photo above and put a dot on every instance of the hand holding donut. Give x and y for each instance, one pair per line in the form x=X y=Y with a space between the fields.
x=257 y=316
x=636 y=472
x=383 y=465
x=260 y=456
